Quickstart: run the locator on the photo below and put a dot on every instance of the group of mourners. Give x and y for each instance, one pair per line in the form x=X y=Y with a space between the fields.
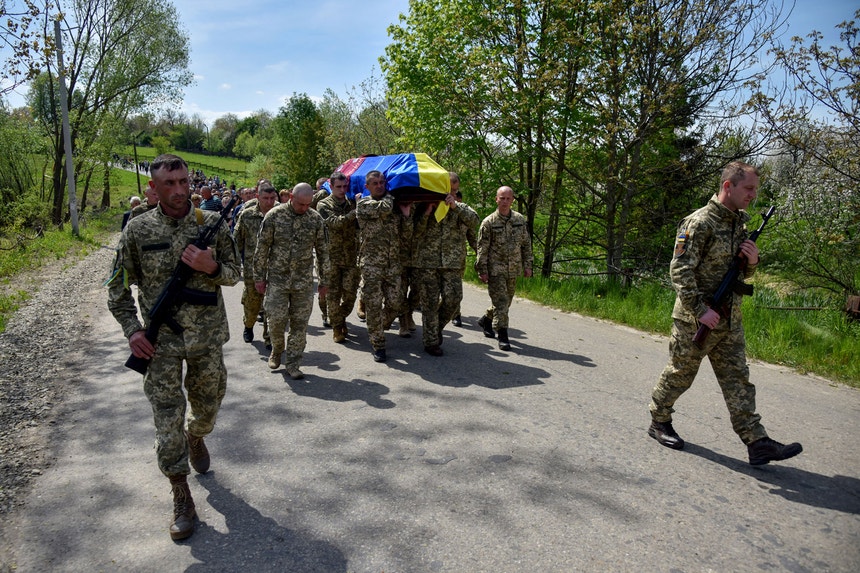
x=393 y=256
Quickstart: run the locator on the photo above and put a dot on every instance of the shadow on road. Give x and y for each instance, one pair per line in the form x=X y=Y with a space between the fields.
x=254 y=542
x=841 y=493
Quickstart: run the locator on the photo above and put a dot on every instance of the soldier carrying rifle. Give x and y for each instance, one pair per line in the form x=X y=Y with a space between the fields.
x=707 y=242
x=149 y=255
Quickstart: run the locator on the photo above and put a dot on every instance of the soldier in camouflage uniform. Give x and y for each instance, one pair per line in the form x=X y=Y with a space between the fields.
x=283 y=270
x=381 y=228
x=148 y=252
x=468 y=232
x=707 y=242
x=340 y=218
x=246 y=231
x=504 y=251
x=151 y=202
x=321 y=193
x=439 y=261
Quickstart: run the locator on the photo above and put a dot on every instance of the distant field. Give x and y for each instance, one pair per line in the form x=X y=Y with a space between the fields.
x=230 y=168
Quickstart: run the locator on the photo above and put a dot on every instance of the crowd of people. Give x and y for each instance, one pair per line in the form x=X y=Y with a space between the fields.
x=392 y=257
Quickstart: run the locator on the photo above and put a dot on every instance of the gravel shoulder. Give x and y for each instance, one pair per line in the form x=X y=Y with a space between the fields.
x=34 y=353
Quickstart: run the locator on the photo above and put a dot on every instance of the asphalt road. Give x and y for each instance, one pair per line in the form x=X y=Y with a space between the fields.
x=534 y=460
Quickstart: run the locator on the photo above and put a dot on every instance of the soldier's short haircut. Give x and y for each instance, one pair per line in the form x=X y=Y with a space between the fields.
x=337 y=176
x=167 y=161
x=375 y=174
x=266 y=187
x=302 y=189
x=452 y=176
x=736 y=171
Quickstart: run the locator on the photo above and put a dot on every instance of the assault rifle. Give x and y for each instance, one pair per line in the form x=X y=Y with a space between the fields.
x=731 y=284
x=174 y=292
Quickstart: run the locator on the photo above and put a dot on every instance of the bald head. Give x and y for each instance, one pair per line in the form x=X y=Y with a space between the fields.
x=504 y=199
x=301 y=198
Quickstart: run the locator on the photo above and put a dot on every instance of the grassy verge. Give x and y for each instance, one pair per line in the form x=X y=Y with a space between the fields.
x=229 y=168
x=823 y=342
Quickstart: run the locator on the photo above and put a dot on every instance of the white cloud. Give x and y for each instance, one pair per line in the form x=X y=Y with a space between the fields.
x=225 y=86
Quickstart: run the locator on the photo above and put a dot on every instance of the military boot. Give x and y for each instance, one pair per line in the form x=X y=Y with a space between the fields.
x=338 y=333
x=248 y=334
x=766 y=450
x=487 y=324
x=275 y=358
x=504 y=343
x=198 y=453
x=410 y=322
x=404 y=327
x=183 y=509
x=664 y=433
x=362 y=315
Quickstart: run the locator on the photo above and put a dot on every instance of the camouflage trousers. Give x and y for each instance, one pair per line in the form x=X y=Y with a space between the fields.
x=439 y=293
x=501 y=289
x=725 y=349
x=341 y=295
x=205 y=382
x=252 y=303
x=407 y=295
x=288 y=308
x=380 y=293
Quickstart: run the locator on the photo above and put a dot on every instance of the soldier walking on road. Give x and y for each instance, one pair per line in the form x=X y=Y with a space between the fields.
x=149 y=250
x=283 y=270
x=440 y=255
x=246 y=232
x=706 y=243
x=340 y=218
x=468 y=231
x=504 y=252
x=381 y=226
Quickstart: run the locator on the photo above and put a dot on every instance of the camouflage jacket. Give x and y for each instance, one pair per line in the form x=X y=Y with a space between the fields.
x=286 y=247
x=149 y=249
x=442 y=244
x=706 y=243
x=141 y=209
x=504 y=245
x=380 y=233
x=340 y=218
x=245 y=233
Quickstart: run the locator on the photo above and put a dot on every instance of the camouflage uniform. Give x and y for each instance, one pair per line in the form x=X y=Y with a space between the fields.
x=439 y=260
x=381 y=227
x=148 y=252
x=140 y=210
x=707 y=241
x=342 y=282
x=504 y=253
x=285 y=259
x=245 y=233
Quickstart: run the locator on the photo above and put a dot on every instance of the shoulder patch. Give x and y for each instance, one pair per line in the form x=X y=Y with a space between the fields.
x=681 y=243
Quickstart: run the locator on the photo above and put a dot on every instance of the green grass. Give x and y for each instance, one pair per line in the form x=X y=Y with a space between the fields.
x=822 y=342
x=226 y=167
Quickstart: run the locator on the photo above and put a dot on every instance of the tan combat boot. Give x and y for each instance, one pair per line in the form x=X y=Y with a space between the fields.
x=275 y=358
x=183 y=509
x=198 y=453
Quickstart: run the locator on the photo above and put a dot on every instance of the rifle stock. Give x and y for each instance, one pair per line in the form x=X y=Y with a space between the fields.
x=162 y=311
x=730 y=283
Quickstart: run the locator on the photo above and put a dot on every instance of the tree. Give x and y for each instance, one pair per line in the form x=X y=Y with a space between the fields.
x=584 y=106
x=120 y=56
x=299 y=130
x=21 y=41
x=815 y=118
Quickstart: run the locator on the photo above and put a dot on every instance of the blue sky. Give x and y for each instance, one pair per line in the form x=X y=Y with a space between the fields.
x=248 y=55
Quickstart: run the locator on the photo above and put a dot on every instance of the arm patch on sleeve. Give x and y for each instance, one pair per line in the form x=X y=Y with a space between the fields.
x=681 y=244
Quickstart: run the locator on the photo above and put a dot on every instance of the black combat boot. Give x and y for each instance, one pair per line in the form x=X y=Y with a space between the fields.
x=664 y=433
x=248 y=334
x=487 y=324
x=183 y=509
x=766 y=450
x=198 y=454
x=504 y=343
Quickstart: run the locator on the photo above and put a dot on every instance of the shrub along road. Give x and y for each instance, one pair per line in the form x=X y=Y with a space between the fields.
x=531 y=460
